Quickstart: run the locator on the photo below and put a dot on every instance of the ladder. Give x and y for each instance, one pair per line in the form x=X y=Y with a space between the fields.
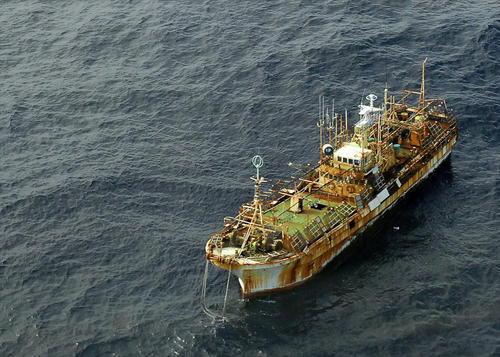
x=379 y=182
x=435 y=129
x=297 y=242
x=345 y=209
x=314 y=230
x=333 y=218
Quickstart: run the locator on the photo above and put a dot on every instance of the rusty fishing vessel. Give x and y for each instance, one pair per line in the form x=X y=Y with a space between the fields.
x=285 y=236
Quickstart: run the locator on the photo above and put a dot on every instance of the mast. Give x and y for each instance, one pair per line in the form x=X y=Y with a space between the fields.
x=341 y=131
x=336 y=130
x=346 y=131
x=257 y=203
x=385 y=98
x=320 y=124
x=329 y=122
x=379 y=134
x=421 y=102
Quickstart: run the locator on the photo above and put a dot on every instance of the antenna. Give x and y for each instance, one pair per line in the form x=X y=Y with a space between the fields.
x=371 y=98
x=331 y=123
x=421 y=103
x=321 y=123
x=346 y=129
x=336 y=130
x=329 y=127
x=385 y=97
x=257 y=161
x=341 y=126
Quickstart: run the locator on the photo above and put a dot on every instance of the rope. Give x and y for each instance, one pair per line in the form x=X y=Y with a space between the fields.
x=206 y=310
x=204 y=294
x=227 y=289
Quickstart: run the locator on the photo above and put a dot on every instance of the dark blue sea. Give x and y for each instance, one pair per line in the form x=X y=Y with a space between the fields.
x=126 y=133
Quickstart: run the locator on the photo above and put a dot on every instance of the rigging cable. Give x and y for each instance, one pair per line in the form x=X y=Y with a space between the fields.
x=214 y=316
x=206 y=310
x=227 y=289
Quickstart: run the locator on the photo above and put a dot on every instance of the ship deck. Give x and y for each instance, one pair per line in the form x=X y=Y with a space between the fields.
x=281 y=217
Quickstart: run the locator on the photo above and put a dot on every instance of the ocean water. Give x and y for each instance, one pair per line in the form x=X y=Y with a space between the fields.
x=126 y=132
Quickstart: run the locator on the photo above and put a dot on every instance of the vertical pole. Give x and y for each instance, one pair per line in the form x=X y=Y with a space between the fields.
x=336 y=130
x=320 y=125
x=346 y=131
x=362 y=165
x=320 y=141
x=385 y=98
x=378 y=141
x=422 y=86
x=341 y=132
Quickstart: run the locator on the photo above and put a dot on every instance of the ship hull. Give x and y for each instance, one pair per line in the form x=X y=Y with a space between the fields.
x=282 y=274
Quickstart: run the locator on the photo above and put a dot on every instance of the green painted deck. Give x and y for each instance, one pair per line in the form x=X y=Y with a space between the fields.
x=291 y=222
